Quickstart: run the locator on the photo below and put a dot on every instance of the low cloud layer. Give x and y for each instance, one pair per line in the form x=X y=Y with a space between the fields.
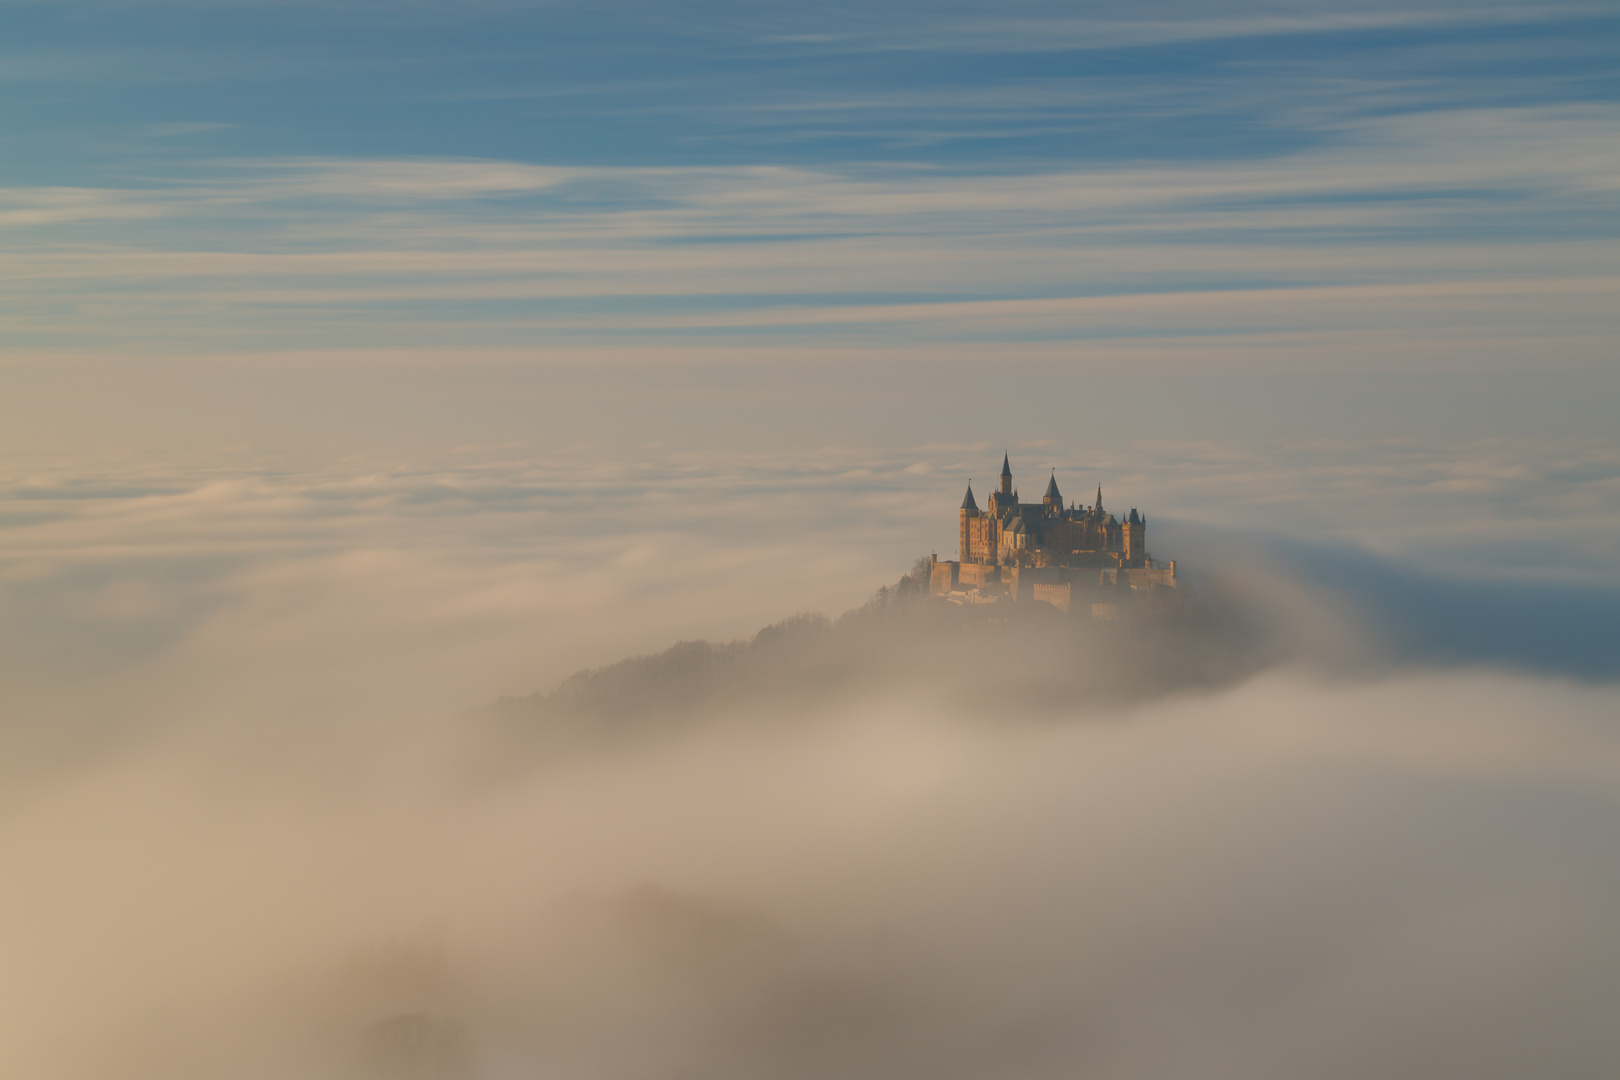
x=1411 y=877
x=255 y=822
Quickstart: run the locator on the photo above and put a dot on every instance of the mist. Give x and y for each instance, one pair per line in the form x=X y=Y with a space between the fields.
x=1268 y=837
x=1412 y=876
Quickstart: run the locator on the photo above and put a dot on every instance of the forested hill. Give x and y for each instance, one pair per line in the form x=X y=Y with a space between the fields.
x=901 y=636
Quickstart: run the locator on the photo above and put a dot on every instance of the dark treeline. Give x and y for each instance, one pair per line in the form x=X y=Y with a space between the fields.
x=1002 y=660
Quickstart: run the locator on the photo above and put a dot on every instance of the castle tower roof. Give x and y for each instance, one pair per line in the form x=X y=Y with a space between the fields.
x=1052 y=490
x=968 y=503
x=1134 y=519
x=1006 y=467
x=1098 y=507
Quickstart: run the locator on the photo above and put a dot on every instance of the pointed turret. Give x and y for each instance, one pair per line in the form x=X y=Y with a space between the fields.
x=965 y=520
x=1098 y=507
x=1053 y=499
x=1006 y=475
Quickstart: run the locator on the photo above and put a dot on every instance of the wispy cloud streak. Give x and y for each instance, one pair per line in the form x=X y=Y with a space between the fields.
x=1446 y=222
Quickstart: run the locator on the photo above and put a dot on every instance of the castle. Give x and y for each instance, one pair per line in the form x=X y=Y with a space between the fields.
x=1079 y=559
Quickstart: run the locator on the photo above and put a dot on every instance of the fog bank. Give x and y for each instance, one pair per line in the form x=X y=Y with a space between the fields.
x=1414 y=876
x=258 y=819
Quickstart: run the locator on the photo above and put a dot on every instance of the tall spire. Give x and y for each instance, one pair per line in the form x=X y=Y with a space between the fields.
x=1006 y=476
x=968 y=503
x=1099 y=499
x=1052 y=490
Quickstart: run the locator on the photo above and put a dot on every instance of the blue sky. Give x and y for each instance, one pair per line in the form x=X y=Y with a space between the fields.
x=748 y=193
x=103 y=92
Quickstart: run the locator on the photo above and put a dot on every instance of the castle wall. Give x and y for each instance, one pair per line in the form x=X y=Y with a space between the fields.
x=1086 y=533
x=1056 y=595
x=978 y=574
x=1152 y=577
x=1019 y=579
x=1088 y=560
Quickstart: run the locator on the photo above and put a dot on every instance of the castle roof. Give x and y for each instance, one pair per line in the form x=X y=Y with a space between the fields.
x=968 y=503
x=1134 y=519
x=1006 y=467
x=1051 y=488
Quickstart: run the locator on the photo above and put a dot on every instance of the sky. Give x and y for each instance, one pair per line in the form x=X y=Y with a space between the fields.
x=362 y=364
x=1291 y=219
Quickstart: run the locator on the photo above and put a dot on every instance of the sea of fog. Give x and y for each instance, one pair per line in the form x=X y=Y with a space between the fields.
x=282 y=794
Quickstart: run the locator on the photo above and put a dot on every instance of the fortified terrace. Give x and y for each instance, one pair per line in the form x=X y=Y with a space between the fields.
x=1079 y=559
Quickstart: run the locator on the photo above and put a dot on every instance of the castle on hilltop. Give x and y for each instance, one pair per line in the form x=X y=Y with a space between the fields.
x=1015 y=551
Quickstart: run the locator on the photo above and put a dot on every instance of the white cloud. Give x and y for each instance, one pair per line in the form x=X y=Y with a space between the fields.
x=387 y=180
x=1290 y=876
x=442 y=582
x=1031 y=27
x=1399 y=227
x=236 y=796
